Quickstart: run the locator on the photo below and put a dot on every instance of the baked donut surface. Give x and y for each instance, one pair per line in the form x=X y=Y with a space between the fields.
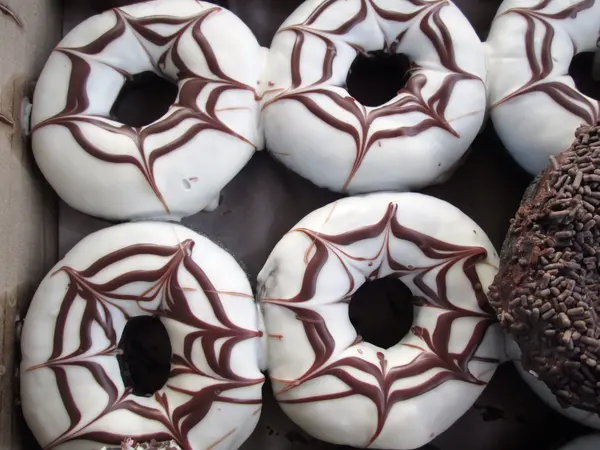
x=346 y=391
x=72 y=388
x=315 y=127
x=535 y=105
x=177 y=165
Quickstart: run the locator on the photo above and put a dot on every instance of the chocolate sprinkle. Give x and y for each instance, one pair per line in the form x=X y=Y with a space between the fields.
x=152 y=445
x=547 y=291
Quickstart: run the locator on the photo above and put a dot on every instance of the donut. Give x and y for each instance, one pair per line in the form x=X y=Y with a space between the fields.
x=316 y=128
x=129 y=444
x=589 y=442
x=535 y=106
x=587 y=418
x=546 y=292
x=73 y=391
x=177 y=165
x=343 y=390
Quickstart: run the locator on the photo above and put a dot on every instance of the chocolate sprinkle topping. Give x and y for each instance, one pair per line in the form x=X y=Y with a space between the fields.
x=152 y=445
x=547 y=292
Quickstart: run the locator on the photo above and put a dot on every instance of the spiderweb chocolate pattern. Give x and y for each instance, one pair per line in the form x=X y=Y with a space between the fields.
x=539 y=21
x=434 y=350
x=411 y=98
x=187 y=109
x=166 y=298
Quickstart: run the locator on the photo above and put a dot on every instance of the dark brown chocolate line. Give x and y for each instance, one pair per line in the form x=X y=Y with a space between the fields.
x=8 y=12
x=569 y=12
x=434 y=109
x=78 y=102
x=107 y=38
x=209 y=54
x=141 y=25
x=296 y=55
x=394 y=16
x=566 y=97
x=444 y=46
x=182 y=419
x=355 y=20
x=454 y=365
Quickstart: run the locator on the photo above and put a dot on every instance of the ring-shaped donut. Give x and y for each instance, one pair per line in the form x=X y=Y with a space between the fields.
x=177 y=165
x=546 y=291
x=316 y=128
x=72 y=390
x=589 y=442
x=587 y=418
x=346 y=391
x=535 y=106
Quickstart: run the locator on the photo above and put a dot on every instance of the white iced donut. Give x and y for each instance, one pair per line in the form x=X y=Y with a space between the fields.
x=177 y=165
x=586 y=418
x=535 y=105
x=72 y=390
x=346 y=391
x=589 y=442
x=316 y=128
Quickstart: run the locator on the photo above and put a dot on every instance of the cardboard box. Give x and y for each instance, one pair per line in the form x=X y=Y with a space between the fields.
x=258 y=207
x=29 y=29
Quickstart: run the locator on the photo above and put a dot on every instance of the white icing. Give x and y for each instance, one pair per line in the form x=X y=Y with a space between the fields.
x=586 y=418
x=216 y=419
x=589 y=442
x=302 y=324
x=530 y=123
x=211 y=145
x=326 y=154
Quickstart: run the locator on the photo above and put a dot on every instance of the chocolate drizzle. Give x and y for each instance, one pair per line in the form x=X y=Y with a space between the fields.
x=192 y=86
x=165 y=298
x=434 y=353
x=409 y=100
x=541 y=63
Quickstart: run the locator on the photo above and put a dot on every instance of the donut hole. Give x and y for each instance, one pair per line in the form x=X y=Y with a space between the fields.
x=145 y=359
x=582 y=72
x=376 y=77
x=143 y=99
x=381 y=311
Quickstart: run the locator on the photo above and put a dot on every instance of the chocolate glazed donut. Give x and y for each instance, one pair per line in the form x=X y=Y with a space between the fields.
x=546 y=293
